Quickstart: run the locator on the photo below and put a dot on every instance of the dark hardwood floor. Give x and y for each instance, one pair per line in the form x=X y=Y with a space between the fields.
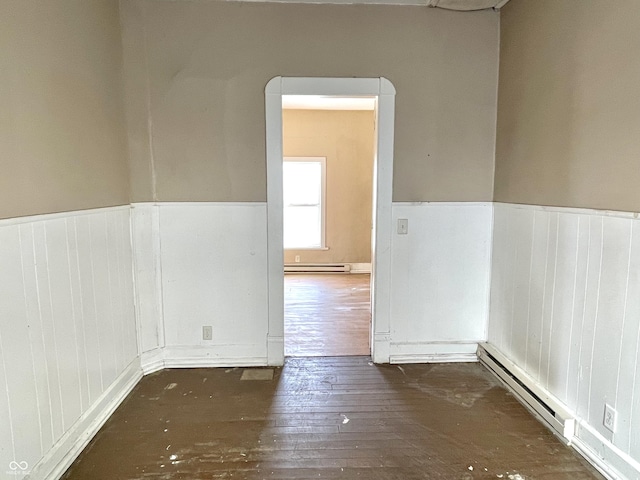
x=336 y=418
x=327 y=314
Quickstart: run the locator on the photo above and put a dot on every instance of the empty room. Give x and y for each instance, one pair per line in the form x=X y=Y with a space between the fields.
x=146 y=321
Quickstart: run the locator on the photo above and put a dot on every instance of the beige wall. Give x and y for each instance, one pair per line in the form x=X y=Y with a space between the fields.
x=196 y=72
x=569 y=104
x=62 y=135
x=346 y=139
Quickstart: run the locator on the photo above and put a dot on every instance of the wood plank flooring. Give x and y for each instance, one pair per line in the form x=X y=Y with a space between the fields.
x=335 y=418
x=327 y=314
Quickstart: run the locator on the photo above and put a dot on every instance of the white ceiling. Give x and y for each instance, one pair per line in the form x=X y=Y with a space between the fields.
x=319 y=102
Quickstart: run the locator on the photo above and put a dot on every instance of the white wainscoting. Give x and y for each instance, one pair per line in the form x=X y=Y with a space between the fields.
x=440 y=281
x=67 y=334
x=565 y=306
x=208 y=266
x=214 y=272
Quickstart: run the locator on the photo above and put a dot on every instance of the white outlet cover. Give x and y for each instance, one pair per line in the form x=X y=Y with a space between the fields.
x=609 y=420
x=207 y=332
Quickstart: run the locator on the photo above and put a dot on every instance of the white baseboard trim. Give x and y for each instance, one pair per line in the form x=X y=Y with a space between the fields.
x=381 y=344
x=440 y=352
x=60 y=457
x=604 y=456
x=199 y=356
x=152 y=361
x=215 y=362
x=435 y=358
x=275 y=350
x=360 y=268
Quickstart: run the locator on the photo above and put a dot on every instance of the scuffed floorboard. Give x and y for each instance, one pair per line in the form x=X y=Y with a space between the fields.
x=326 y=418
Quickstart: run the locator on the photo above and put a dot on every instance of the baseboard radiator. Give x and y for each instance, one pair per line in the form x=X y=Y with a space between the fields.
x=549 y=410
x=317 y=268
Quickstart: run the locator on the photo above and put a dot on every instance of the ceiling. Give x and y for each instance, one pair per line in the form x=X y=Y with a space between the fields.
x=467 y=5
x=459 y=5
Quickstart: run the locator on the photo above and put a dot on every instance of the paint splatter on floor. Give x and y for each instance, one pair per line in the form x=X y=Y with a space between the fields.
x=333 y=418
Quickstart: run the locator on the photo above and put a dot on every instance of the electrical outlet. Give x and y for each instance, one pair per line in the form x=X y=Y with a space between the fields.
x=207 y=332
x=297 y=258
x=609 y=419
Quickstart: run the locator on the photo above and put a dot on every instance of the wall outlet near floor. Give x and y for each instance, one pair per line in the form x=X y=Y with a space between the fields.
x=207 y=332
x=297 y=258
x=609 y=420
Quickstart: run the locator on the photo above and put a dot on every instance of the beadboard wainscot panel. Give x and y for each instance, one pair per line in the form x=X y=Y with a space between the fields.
x=565 y=306
x=214 y=273
x=440 y=281
x=68 y=340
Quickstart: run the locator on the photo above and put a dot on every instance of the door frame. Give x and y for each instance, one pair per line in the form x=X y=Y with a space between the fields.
x=385 y=92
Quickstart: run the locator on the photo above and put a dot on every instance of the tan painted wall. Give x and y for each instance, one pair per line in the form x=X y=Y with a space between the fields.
x=62 y=134
x=569 y=104
x=346 y=139
x=196 y=72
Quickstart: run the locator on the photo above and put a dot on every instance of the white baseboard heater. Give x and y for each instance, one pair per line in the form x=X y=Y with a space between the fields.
x=540 y=403
x=317 y=268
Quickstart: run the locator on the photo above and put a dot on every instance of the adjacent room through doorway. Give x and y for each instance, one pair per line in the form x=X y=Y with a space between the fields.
x=328 y=147
x=327 y=315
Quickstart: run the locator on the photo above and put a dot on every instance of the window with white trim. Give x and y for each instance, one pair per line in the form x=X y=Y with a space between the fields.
x=303 y=194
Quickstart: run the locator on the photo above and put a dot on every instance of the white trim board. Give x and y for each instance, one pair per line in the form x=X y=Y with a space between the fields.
x=384 y=92
x=57 y=215
x=442 y=204
x=433 y=352
x=189 y=356
x=152 y=361
x=196 y=204
x=147 y=272
x=606 y=458
x=570 y=210
x=434 y=358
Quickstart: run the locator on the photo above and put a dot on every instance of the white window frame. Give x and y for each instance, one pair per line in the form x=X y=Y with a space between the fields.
x=323 y=199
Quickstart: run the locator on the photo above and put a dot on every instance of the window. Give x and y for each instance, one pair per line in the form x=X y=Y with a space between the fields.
x=303 y=192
